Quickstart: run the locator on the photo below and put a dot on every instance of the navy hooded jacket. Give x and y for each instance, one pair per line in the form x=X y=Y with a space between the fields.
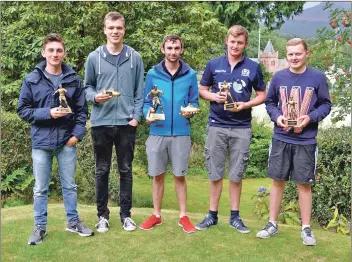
x=38 y=97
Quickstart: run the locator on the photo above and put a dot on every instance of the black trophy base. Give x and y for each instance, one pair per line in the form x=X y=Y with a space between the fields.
x=228 y=106
x=292 y=123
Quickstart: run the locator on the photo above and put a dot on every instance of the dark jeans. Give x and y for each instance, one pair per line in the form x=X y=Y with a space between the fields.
x=103 y=138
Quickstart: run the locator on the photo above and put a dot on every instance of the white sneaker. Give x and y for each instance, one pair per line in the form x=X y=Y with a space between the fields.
x=129 y=224
x=103 y=225
x=308 y=237
x=268 y=231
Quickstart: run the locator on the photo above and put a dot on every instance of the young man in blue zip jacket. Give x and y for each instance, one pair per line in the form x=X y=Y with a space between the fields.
x=299 y=92
x=170 y=139
x=54 y=132
x=229 y=131
x=114 y=121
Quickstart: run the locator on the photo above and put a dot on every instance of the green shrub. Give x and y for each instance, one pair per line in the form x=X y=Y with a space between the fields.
x=333 y=182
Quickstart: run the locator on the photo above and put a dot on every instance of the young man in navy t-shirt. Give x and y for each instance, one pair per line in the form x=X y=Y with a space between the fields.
x=231 y=79
x=299 y=93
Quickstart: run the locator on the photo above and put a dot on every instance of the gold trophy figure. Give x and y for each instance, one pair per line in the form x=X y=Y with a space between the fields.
x=156 y=104
x=225 y=87
x=292 y=114
x=64 y=107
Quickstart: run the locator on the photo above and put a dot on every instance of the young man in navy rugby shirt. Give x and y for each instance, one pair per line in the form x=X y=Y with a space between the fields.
x=293 y=151
x=229 y=131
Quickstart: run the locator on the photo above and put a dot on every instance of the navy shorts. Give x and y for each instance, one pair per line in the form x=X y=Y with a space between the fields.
x=292 y=162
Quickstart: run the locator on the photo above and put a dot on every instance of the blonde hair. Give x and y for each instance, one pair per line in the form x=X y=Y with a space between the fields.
x=237 y=30
x=297 y=41
x=113 y=16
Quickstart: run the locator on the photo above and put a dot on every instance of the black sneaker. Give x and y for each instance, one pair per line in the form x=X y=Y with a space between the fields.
x=80 y=228
x=236 y=222
x=207 y=222
x=37 y=236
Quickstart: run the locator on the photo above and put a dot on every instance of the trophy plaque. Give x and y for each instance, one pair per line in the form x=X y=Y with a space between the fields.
x=156 y=111
x=189 y=110
x=63 y=107
x=111 y=92
x=225 y=87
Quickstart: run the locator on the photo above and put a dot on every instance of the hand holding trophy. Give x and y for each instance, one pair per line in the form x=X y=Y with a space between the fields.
x=110 y=92
x=156 y=112
x=292 y=113
x=225 y=87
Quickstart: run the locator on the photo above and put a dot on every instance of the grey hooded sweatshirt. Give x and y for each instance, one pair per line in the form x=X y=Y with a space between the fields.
x=127 y=77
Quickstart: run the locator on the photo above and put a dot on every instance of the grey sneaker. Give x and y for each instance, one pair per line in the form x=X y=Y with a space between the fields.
x=236 y=222
x=38 y=234
x=80 y=228
x=103 y=225
x=207 y=222
x=308 y=237
x=129 y=224
x=268 y=231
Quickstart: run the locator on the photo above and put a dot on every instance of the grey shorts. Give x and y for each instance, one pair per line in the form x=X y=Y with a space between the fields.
x=162 y=149
x=222 y=141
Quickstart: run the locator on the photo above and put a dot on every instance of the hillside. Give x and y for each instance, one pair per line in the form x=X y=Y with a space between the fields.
x=306 y=24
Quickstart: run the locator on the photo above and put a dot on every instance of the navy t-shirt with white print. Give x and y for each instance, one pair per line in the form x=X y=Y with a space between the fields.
x=244 y=77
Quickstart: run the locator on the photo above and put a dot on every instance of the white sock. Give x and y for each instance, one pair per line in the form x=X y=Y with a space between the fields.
x=273 y=222
x=304 y=226
x=157 y=215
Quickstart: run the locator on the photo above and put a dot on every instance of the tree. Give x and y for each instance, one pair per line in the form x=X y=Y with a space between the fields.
x=24 y=25
x=248 y=14
x=332 y=55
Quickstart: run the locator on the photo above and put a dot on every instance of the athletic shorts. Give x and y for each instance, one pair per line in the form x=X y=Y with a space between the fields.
x=162 y=149
x=221 y=141
x=292 y=162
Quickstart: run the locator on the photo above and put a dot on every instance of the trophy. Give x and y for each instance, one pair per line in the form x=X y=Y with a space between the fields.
x=224 y=86
x=156 y=114
x=292 y=114
x=63 y=107
x=111 y=92
x=189 y=110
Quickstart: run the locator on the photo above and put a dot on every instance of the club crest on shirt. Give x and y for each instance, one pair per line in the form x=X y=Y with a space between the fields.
x=245 y=72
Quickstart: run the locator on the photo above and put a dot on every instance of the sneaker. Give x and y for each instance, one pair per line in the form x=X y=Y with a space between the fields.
x=308 y=237
x=103 y=225
x=207 y=222
x=129 y=224
x=186 y=224
x=37 y=236
x=151 y=222
x=80 y=228
x=268 y=231
x=236 y=222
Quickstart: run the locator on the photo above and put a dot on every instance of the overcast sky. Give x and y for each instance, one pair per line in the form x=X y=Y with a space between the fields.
x=310 y=4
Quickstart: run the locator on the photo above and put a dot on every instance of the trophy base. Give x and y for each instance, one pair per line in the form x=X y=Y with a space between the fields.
x=228 y=106
x=113 y=93
x=292 y=123
x=156 y=116
x=65 y=109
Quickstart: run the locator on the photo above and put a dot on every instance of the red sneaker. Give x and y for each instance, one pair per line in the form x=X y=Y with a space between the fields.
x=188 y=227
x=151 y=222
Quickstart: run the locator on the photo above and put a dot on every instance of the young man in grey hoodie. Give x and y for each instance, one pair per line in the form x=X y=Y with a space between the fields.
x=114 y=120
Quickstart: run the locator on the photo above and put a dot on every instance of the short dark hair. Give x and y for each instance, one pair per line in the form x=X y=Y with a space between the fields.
x=113 y=16
x=53 y=37
x=172 y=38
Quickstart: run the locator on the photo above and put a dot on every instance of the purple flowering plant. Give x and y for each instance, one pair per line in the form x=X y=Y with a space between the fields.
x=261 y=204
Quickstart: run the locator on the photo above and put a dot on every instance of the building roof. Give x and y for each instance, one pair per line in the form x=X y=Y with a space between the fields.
x=269 y=48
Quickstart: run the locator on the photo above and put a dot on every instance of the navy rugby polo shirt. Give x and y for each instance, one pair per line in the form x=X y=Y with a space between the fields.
x=245 y=77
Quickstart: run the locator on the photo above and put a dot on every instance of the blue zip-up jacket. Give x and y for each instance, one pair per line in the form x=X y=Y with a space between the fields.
x=179 y=90
x=38 y=97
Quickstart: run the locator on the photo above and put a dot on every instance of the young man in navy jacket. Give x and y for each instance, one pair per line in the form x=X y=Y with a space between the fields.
x=54 y=132
x=170 y=139
x=300 y=92
x=229 y=131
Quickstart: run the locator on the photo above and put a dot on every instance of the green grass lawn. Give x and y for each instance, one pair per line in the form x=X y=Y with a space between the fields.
x=166 y=242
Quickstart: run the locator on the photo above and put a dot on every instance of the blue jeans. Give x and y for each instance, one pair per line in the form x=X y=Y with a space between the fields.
x=42 y=164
